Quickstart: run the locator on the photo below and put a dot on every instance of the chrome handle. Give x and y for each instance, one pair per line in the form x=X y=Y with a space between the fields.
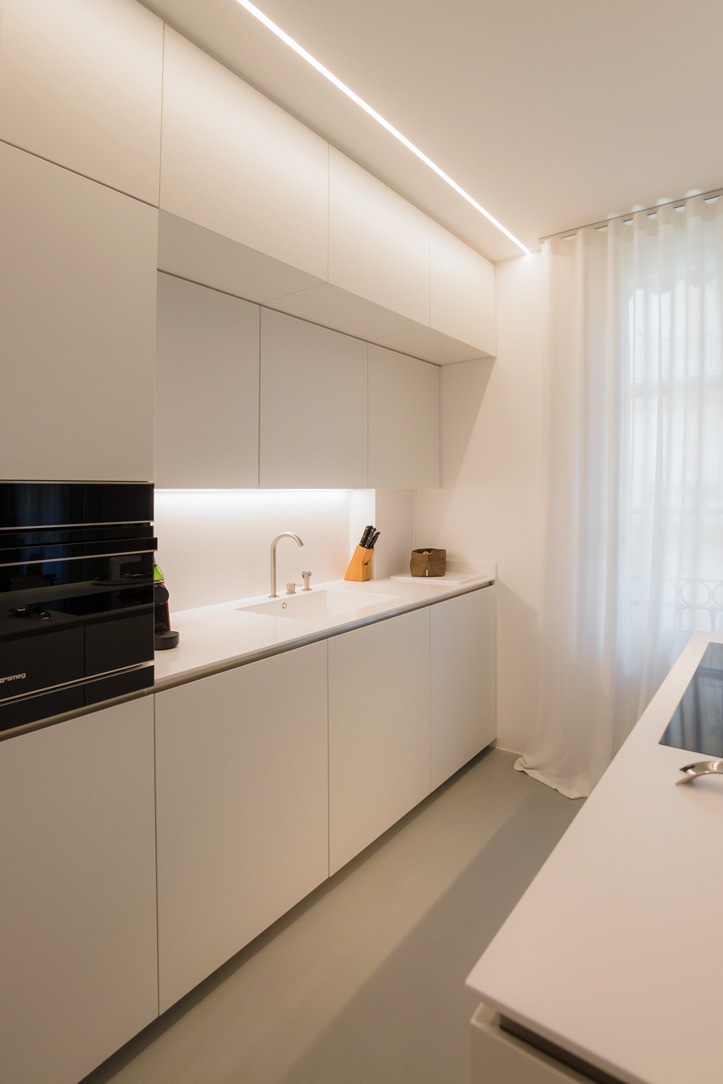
x=306 y=576
x=701 y=767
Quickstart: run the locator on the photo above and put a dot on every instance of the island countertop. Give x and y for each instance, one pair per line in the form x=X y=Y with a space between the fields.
x=615 y=952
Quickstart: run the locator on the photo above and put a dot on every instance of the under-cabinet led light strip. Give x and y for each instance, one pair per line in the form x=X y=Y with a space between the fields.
x=300 y=51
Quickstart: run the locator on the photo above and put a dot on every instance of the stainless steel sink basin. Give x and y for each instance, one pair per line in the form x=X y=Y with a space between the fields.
x=316 y=604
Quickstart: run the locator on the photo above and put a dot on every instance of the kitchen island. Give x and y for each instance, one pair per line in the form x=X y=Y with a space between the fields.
x=609 y=967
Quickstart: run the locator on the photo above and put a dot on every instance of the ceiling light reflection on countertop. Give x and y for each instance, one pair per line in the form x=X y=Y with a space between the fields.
x=300 y=51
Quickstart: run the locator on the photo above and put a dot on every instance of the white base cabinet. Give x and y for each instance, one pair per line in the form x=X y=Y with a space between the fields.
x=378 y=730
x=411 y=700
x=241 y=776
x=463 y=680
x=78 y=896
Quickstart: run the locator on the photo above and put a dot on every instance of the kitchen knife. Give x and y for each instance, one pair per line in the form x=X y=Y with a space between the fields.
x=367 y=534
x=373 y=540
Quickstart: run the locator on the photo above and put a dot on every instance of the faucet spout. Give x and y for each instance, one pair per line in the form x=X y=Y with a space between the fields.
x=274 y=544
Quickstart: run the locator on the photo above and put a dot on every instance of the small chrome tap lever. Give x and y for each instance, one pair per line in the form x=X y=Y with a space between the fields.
x=306 y=576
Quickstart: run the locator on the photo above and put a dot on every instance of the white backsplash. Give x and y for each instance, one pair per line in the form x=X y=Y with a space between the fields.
x=213 y=545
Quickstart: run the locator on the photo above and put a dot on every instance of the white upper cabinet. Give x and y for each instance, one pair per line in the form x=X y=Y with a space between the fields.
x=207 y=388
x=242 y=808
x=313 y=406
x=462 y=292
x=78 y=289
x=378 y=242
x=80 y=85
x=235 y=163
x=403 y=421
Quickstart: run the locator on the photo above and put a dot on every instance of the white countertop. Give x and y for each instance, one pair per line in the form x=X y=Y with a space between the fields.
x=615 y=952
x=220 y=636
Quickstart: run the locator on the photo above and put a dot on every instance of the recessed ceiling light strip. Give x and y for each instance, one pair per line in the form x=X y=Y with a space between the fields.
x=300 y=51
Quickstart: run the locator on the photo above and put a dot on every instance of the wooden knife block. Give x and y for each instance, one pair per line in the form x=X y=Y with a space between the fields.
x=360 y=566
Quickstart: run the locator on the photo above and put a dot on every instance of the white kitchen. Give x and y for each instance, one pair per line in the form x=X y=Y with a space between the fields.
x=325 y=293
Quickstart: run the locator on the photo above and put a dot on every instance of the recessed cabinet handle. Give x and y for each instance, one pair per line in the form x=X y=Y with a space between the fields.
x=701 y=767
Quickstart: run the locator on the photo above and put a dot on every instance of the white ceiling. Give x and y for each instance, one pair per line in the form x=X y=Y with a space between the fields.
x=551 y=113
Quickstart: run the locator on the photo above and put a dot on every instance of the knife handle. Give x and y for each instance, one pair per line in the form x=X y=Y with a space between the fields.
x=366 y=535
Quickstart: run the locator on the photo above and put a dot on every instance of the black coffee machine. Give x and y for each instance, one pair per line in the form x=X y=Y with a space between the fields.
x=165 y=637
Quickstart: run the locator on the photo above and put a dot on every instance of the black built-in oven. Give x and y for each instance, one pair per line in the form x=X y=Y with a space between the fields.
x=76 y=595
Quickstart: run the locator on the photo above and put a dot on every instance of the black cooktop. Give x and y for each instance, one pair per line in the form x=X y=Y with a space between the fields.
x=698 y=720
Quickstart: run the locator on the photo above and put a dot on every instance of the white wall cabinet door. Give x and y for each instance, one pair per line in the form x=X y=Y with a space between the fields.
x=80 y=85
x=78 y=289
x=242 y=806
x=378 y=730
x=463 y=670
x=78 y=899
x=313 y=406
x=378 y=242
x=207 y=388
x=403 y=421
x=462 y=292
x=235 y=163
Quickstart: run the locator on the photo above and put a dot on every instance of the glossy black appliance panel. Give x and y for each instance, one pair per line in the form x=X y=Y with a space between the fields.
x=76 y=595
x=72 y=504
x=697 y=724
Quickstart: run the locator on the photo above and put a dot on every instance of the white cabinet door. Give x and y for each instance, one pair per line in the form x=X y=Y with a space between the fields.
x=378 y=242
x=313 y=406
x=242 y=806
x=403 y=421
x=78 y=898
x=78 y=290
x=462 y=292
x=80 y=85
x=207 y=388
x=378 y=730
x=463 y=670
x=235 y=163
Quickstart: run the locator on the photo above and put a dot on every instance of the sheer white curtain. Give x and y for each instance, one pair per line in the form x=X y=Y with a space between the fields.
x=635 y=445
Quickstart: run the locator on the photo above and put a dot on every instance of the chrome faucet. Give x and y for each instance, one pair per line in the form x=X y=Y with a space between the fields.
x=274 y=544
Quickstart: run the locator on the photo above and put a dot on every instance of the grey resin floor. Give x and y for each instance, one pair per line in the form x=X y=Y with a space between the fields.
x=363 y=982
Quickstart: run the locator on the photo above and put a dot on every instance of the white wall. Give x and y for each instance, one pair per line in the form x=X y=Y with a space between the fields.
x=492 y=505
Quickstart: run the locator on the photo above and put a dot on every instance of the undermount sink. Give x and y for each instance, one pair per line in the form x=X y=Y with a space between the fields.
x=314 y=604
